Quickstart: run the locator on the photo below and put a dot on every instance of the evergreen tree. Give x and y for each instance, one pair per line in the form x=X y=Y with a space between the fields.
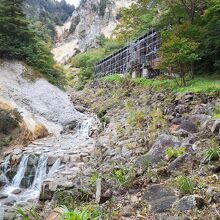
x=14 y=31
x=18 y=41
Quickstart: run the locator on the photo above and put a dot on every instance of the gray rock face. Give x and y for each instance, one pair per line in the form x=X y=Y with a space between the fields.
x=189 y=203
x=86 y=24
x=164 y=141
x=160 y=198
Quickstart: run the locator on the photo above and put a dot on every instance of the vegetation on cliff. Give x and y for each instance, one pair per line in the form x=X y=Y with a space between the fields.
x=19 y=41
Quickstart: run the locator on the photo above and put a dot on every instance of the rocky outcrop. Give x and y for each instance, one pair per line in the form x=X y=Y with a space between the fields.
x=91 y=19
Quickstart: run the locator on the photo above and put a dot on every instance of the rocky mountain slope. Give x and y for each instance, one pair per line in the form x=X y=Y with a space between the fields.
x=45 y=15
x=90 y=20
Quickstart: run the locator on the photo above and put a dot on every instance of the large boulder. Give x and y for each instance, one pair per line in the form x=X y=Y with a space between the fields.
x=160 y=198
x=158 y=150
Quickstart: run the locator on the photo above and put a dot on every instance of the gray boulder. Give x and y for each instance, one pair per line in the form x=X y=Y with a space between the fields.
x=189 y=203
x=160 y=198
x=158 y=150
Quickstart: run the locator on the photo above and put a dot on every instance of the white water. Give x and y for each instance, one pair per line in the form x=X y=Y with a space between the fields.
x=5 y=168
x=54 y=168
x=20 y=172
x=40 y=173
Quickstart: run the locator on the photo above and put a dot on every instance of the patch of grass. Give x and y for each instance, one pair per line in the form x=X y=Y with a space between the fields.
x=172 y=153
x=113 y=78
x=86 y=212
x=197 y=85
x=135 y=117
x=185 y=185
x=211 y=154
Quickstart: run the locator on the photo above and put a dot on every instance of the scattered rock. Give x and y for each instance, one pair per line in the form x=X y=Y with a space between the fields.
x=189 y=203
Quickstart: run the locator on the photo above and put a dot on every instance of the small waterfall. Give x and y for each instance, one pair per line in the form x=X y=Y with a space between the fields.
x=54 y=168
x=20 y=172
x=84 y=127
x=5 y=168
x=40 y=174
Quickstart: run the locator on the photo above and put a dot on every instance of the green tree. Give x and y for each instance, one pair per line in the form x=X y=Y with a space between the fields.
x=177 y=55
x=18 y=41
x=210 y=38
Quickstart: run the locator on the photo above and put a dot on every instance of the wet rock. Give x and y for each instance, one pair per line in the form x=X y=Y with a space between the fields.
x=51 y=160
x=189 y=203
x=3 y=196
x=10 y=201
x=16 y=191
x=164 y=141
x=160 y=198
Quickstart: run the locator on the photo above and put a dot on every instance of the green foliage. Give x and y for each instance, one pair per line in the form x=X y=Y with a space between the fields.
x=44 y=15
x=173 y=153
x=146 y=162
x=9 y=120
x=177 y=54
x=29 y=215
x=212 y=153
x=192 y=29
x=135 y=117
x=18 y=41
x=87 y=60
x=123 y=176
x=84 y=213
x=78 y=215
x=184 y=184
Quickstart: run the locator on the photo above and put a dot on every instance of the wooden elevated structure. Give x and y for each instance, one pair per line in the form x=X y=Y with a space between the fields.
x=139 y=56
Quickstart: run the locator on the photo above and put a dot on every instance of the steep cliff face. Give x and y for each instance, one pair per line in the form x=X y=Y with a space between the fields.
x=91 y=19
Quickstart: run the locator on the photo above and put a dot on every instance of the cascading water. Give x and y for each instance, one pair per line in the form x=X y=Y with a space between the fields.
x=36 y=165
x=5 y=169
x=21 y=171
x=40 y=174
x=54 y=168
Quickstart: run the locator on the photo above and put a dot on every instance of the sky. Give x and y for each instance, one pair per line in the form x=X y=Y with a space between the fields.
x=73 y=2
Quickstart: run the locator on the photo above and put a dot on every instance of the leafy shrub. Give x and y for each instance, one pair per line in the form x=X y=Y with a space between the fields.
x=173 y=153
x=9 y=120
x=185 y=184
x=123 y=177
x=213 y=153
